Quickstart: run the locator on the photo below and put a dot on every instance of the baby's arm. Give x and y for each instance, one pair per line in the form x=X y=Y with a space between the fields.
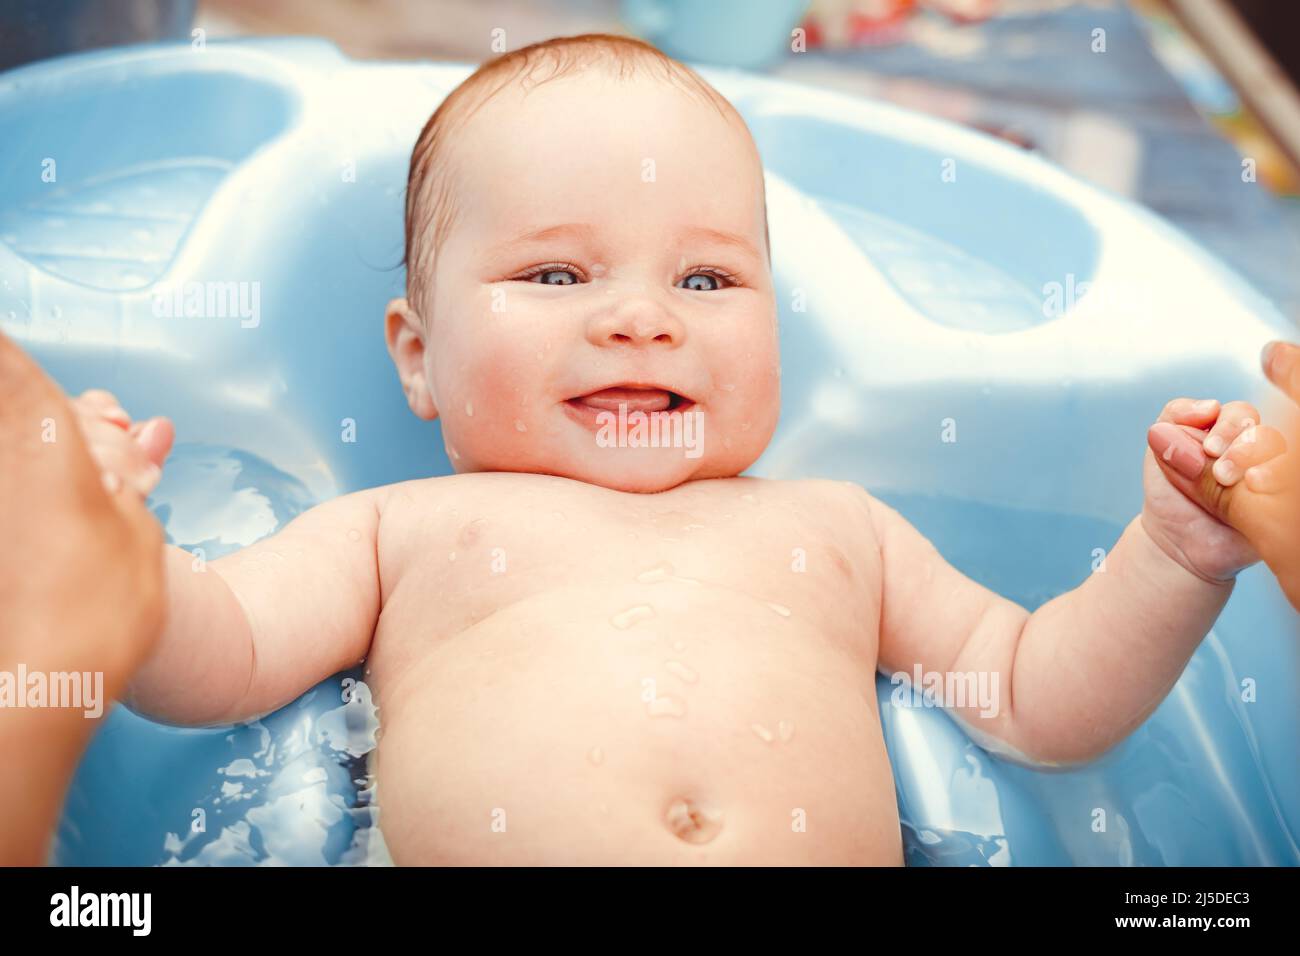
x=247 y=633
x=1073 y=678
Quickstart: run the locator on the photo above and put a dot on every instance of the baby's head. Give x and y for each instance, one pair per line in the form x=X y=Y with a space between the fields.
x=586 y=228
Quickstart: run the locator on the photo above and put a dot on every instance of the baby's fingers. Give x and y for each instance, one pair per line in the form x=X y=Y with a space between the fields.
x=120 y=456
x=1196 y=412
x=1235 y=418
x=1275 y=475
x=1254 y=446
x=155 y=438
x=97 y=402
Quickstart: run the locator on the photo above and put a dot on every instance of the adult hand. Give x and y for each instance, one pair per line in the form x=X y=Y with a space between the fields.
x=81 y=590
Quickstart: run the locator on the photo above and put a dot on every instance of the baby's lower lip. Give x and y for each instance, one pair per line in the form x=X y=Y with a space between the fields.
x=636 y=399
x=590 y=415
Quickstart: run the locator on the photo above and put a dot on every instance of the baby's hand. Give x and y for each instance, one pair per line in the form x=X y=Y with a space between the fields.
x=126 y=451
x=1198 y=453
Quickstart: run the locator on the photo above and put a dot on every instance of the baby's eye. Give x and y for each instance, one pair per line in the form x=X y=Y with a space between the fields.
x=704 y=281
x=555 y=273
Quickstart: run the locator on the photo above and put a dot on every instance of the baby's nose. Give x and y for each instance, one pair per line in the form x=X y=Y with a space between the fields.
x=637 y=322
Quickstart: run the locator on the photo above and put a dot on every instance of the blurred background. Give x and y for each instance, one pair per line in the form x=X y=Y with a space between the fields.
x=1142 y=97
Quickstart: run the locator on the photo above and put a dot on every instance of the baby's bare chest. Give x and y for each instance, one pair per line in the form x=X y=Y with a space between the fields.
x=452 y=557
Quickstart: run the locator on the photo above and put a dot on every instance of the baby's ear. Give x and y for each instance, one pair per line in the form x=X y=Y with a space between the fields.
x=404 y=333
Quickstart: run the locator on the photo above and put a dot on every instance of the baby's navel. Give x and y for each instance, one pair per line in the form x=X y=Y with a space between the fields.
x=692 y=820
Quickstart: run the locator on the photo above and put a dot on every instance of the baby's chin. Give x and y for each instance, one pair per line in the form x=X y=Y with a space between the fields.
x=636 y=471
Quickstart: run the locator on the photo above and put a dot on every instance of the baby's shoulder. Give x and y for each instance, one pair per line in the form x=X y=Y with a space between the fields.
x=846 y=504
x=830 y=491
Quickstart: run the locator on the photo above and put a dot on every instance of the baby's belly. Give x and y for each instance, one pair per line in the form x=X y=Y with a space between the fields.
x=582 y=728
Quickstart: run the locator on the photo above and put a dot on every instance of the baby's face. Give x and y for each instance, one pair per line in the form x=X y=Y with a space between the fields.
x=610 y=250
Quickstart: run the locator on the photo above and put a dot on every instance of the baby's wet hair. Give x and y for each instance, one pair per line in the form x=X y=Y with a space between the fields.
x=431 y=210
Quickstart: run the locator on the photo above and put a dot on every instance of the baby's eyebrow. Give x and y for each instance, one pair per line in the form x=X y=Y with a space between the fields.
x=585 y=230
x=719 y=236
x=580 y=230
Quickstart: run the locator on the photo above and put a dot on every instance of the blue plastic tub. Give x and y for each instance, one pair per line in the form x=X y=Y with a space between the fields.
x=925 y=272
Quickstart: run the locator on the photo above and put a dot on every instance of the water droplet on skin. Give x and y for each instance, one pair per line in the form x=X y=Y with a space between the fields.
x=520 y=426
x=469 y=409
x=625 y=619
x=779 y=609
x=558 y=514
x=679 y=646
x=785 y=730
x=659 y=572
x=693 y=527
x=666 y=707
x=693 y=821
x=727 y=388
x=596 y=756
x=451 y=555
x=762 y=733
x=354 y=534
x=744 y=426
x=680 y=670
x=747 y=497
x=597 y=268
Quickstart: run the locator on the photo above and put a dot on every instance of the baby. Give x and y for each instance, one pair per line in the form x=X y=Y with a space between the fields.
x=596 y=643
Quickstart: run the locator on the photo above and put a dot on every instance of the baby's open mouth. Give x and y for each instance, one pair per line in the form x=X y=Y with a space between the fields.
x=637 y=398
